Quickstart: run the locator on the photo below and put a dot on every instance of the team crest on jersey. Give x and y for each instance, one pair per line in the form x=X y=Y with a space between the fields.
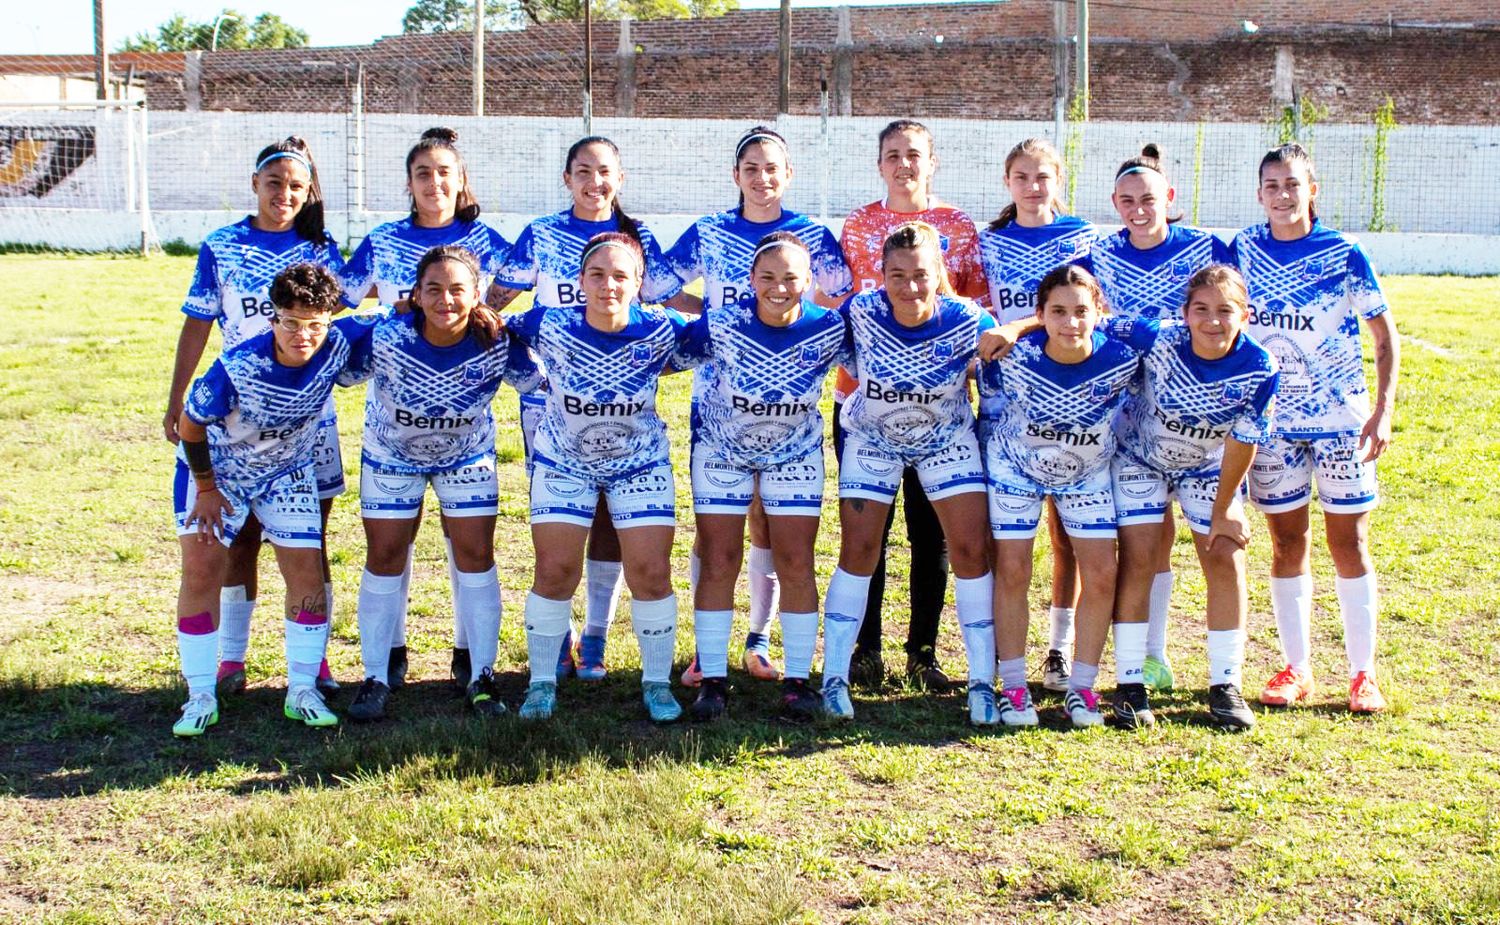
x=1313 y=269
x=1067 y=247
x=473 y=374
x=811 y=355
x=942 y=350
x=1234 y=392
x=640 y=354
x=1100 y=390
x=1182 y=268
x=943 y=242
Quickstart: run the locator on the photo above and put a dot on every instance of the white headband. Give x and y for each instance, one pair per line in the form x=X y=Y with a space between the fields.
x=749 y=140
x=609 y=242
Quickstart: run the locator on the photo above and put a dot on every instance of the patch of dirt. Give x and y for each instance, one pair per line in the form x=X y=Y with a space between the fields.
x=27 y=601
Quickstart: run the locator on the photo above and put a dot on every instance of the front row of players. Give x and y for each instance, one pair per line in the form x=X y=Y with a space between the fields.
x=1110 y=419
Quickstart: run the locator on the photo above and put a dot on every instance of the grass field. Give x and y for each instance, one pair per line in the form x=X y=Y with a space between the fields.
x=906 y=815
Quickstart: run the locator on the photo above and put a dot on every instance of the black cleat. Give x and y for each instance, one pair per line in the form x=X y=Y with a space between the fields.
x=799 y=702
x=924 y=672
x=866 y=668
x=369 y=701
x=395 y=673
x=460 y=669
x=484 y=697
x=713 y=700
x=1227 y=707
x=1132 y=707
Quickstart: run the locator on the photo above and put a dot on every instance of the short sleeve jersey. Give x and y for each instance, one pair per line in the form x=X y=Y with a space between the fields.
x=863 y=239
x=600 y=419
x=236 y=266
x=548 y=257
x=262 y=416
x=388 y=256
x=1015 y=259
x=719 y=248
x=759 y=403
x=1306 y=301
x=913 y=397
x=1151 y=283
x=1184 y=406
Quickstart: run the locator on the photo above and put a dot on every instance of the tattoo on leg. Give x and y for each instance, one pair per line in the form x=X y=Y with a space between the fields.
x=858 y=504
x=313 y=603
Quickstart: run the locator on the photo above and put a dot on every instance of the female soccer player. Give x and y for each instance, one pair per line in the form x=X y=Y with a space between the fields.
x=718 y=249
x=1056 y=396
x=246 y=435
x=600 y=436
x=231 y=286
x=760 y=433
x=436 y=370
x=1189 y=433
x=444 y=210
x=1030 y=237
x=1309 y=286
x=546 y=259
x=1143 y=270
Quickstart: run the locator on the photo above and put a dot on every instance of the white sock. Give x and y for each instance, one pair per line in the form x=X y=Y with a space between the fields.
x=379 y=609
x=476 y=601
x=306 y=644
x=547 y=622
x=843 y=612
x=1226 y=656
x=1291 y=602
x=655 y=625
x=1161 y=602
x=603 y=583
x=765 y=589
x=398 y=628
x=975 y=601
x=799 y=637
x=1062 y=630
x=1358 y=602
x=711 y=631
x=235 y=610
x=198 y=651
x=1083 y=677
x=1012 y=673
x=460 y=628
x=1130 y=653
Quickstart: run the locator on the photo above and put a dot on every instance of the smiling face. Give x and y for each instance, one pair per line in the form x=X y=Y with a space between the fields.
x=447 y=293
x=762 y=174
x=1286 y=192
x=299 y=332
x=611 y=280
x=1032 y=183
x=434 y=181
x=1215 y=317
x=594 y=177
x=907 y=163
x=1143 y=198
x=281 y=190
x=780 y=277
x=913 y=277
x=1070 y=315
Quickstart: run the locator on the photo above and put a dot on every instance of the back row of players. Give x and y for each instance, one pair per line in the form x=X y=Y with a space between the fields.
x=1116 y=373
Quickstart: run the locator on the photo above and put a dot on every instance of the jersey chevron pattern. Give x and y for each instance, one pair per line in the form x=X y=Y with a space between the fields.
x=548 y=258
x=1015 y=259
x=719 y=248
x=1152 y=283
x=388 y=256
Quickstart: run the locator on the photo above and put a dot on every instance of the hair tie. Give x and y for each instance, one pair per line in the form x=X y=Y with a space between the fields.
x=289 y=155
x=760 y=136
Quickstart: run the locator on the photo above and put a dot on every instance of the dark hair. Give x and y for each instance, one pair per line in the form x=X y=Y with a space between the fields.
x=1222 y=277
x=905 y=125
x=483 y=325
x=309 y=219
x=1291 y=153
x=758 y=134
x=916 y=236
x=465 y=206
x=778 y=239
x=608 y=239
x=623 y=223
x=1070 y=274
x=1042 y=150
x=1148 y=160
x=307 y=285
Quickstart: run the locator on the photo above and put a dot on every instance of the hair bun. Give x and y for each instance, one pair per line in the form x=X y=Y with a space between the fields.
x=1151 y=149
x=441 y=133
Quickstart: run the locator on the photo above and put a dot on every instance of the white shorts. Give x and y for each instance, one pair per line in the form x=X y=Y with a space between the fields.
x=1281 y=475
x=866 y=471
x=466 y=491
x=791 y=488
x=1143 y=494
x=1087 y=508
x=644 y=498
x=328 y=459
x=533 y=405
x=288 y=509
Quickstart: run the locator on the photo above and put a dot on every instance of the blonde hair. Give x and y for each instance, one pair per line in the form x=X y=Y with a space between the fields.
x=1041 y=149
x=1223 y=277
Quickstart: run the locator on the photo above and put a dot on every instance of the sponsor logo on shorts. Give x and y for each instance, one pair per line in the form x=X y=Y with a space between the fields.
x=1137 y=482
x=561 y=485
x=722 y=474
x=874 y=462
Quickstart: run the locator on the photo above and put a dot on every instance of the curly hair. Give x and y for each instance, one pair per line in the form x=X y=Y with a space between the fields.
x=306 y=285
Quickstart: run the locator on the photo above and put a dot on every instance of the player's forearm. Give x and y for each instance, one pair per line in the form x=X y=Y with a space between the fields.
x=1387 y=361
x=195 y=448
x=190 y=345
x=1232 y=471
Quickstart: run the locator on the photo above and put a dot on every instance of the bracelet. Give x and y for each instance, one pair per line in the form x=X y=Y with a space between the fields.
x=211 y=487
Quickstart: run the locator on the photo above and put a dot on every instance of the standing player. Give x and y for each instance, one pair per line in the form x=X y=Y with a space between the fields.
x=907 y=161
x=443 y=211
x=718 y=249
x=1144 y=270
x=1309 y=288
x=232 y=286
x=1029 y=238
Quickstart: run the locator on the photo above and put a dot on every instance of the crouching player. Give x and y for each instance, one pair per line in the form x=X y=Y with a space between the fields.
x=1190 y=433
x=248 y=432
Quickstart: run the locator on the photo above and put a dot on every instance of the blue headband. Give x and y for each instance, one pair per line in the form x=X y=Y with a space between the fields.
x=1138 y=168
x=289 y=155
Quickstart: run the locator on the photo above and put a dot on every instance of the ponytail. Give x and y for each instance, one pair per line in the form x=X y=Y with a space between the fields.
x=1148 y=161
x=465 y=206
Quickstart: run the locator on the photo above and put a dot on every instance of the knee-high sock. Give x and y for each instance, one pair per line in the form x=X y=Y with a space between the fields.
x=1159 y=616
x=799 y=637
x=380 y=603
x=975 y=601
x=460 y=628
x=477 y=604
x=1130 y=652
x=1226 y=656
x=306 y=643
x=398 y=628
x=843 y=612
x=1358 y=603
x=547 y=622
x=1291 y=602
x=711 y=631
x=1062 y=630
x=235 y=610
x=198 y=651
x=655 y=625
x=765 y=589
x=603 y=581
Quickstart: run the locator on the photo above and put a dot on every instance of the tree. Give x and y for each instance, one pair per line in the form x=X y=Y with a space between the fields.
x=455 y=16
x=458 y=15
x=236 y=32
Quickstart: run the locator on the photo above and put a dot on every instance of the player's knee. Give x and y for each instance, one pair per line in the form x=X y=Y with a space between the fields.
x=556 y=577
x=718 y=560
x=649 y=581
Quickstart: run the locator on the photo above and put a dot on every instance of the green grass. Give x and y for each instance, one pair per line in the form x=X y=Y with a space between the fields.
x=907 y=815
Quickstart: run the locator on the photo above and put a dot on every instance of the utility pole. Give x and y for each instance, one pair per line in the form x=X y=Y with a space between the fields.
x=588 y=67
x=1082 y=84
x=101 y=54
x=784 y=59
x=1059 y=70
x=478 y=57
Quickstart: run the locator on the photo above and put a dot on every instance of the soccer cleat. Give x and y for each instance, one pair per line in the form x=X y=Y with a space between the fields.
x=1015 y=708
x=982 y=708
x=866 y=667
x=924 y=672
x=836 y=702
x=1364 y=694
x=484 y=697
x=231 y=679
x=591 y=657
x=713 y=700
x=1227 y=708
x=692 y=675
x=1157 y=674
x=396 y=668
x=566 y=666
x=306 y=706
x=200 y=712
x=1132 y=708
x=1082 y=705
x=369 y=701
x=660 y=704
x=1055 y=672
x=541 y=701
x=327 y=685
x=799 y=702
x=759 y=666
x=1289 y=686
x=460 y=669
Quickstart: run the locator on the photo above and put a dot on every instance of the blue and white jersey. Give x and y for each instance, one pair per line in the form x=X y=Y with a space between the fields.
x=262 y=416
x=1306 y=300
x=548 y=257
x=719 y=248
x=1151 y=283
x=759 y=401
x=913 y=396
x=1056 y=421
x=600 y=419
x=388 y=256
x=236 y=265
x=1015 y=259
x=1176 y=420
x=428 y=408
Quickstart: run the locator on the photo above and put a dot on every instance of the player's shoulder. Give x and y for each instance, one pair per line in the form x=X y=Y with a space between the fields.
x=1253 y=354
x=398 y=228
x=233 y=233
x=1068 y=224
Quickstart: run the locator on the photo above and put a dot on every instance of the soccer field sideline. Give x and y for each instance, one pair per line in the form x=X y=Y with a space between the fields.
x=907 y=815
